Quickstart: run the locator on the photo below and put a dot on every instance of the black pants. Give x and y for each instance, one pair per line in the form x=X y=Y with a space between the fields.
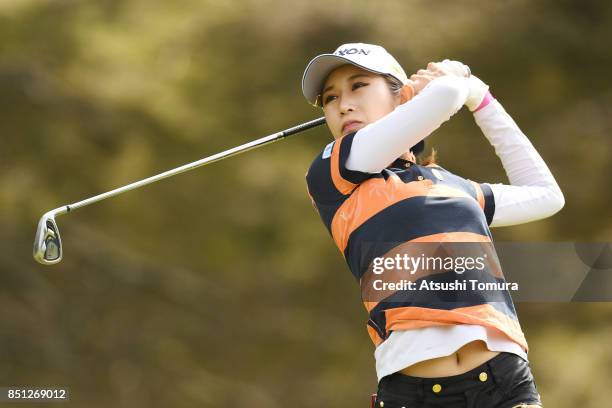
x=505 y=381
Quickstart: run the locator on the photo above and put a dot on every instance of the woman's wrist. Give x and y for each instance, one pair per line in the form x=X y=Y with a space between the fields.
x=478 y=92
x=488 y=98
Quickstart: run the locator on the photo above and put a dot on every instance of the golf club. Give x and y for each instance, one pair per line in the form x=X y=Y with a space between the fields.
x=48 y=243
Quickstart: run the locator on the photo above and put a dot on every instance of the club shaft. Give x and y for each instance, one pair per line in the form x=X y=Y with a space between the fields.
x=199 y=163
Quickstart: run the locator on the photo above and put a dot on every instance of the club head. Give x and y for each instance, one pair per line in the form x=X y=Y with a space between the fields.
x=47 y=243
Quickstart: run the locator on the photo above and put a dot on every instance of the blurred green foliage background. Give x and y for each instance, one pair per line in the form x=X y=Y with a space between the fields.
x=221 y=287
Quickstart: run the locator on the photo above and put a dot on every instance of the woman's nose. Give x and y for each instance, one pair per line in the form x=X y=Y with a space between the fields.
x=346 y=105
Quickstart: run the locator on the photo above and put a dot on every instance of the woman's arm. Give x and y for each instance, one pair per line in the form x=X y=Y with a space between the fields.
x=533 y=194
x=380 y=143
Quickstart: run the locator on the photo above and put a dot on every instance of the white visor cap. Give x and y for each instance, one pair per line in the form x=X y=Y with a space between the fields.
x=370 y=57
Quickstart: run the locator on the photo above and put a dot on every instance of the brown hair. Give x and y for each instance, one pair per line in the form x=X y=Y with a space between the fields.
x=431 y=159
x=395 y=85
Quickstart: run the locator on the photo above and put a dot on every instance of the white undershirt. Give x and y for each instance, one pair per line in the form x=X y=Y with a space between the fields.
x=533 y=194
x=404 y=348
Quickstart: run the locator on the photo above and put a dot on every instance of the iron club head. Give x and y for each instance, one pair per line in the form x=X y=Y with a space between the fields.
x=48 y=243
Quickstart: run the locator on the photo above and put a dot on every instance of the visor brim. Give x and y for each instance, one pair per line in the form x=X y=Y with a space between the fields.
x=318 y=70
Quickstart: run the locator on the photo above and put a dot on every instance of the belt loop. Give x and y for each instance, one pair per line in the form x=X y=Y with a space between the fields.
x=493 y=370
x=420 y=389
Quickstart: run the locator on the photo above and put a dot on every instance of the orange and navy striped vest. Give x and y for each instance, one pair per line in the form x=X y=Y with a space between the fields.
x=370 y=215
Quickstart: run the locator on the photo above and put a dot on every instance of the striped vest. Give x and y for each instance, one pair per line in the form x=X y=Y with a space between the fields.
x=403 y=209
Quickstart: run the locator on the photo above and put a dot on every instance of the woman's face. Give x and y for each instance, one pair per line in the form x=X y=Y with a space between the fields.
x=353 y=97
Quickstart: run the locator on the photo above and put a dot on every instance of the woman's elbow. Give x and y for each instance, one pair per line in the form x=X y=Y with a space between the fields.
x=557 y=200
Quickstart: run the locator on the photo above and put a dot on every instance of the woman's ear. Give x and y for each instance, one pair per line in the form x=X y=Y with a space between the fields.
x=406 y=93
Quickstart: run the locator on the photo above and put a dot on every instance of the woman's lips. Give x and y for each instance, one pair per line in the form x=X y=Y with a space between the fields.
x=351 y=125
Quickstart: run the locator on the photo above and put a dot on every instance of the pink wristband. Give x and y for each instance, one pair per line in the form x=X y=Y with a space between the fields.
x=485 y=101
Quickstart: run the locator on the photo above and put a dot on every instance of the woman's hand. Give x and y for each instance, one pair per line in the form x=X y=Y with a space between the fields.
x=435 y=70
x=456 y=68
x=477 y=89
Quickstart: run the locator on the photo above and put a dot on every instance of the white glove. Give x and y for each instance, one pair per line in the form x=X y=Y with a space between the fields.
x=456 y=68
x=477 y=89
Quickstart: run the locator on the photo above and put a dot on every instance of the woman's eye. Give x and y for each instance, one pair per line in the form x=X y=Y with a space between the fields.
x=328 y=99
x=359 y=85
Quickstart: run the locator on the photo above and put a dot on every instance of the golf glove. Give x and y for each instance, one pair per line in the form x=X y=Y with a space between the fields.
x=477 y=89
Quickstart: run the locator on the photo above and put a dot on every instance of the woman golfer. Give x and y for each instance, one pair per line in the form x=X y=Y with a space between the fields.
x=454 y=346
